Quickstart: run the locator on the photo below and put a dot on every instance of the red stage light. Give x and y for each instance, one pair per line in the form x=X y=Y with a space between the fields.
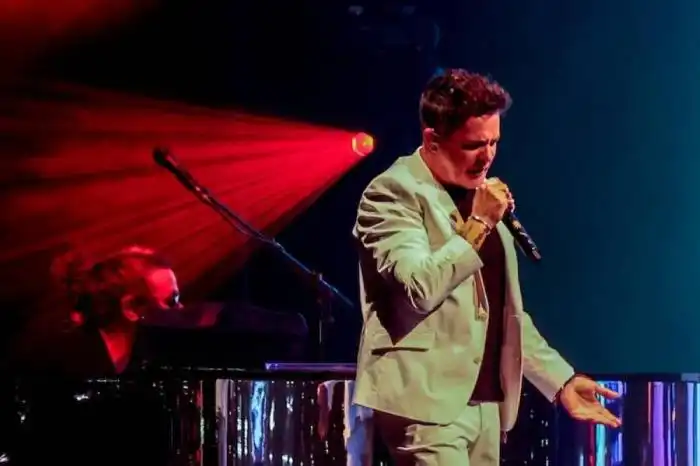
x=266 y=169
x=362 y=144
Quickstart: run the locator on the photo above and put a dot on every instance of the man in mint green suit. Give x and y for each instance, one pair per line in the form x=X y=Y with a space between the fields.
x=446 y=339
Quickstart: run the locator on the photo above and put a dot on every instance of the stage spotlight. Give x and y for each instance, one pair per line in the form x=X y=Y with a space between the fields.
x=362 y=144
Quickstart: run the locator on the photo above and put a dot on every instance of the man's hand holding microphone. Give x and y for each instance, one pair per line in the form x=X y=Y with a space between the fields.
x=492 y=200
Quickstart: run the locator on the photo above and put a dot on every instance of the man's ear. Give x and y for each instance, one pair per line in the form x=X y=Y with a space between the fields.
x=128 y=303
x=430 y=140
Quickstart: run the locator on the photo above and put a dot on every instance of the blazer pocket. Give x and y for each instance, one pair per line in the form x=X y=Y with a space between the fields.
x=422 y=341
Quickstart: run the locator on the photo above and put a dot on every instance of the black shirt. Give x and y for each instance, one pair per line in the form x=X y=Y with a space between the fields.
x=488 y=384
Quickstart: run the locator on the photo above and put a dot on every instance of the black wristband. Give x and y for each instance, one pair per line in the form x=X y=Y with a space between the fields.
x=556 y=396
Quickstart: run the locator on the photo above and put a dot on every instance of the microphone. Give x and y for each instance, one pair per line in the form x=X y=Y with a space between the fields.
x=522 y=239
x=163 y=157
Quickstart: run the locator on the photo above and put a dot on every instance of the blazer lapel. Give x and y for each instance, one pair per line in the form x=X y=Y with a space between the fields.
x=420 y=171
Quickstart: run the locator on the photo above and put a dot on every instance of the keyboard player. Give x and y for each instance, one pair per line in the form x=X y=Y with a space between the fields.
x=109 y=299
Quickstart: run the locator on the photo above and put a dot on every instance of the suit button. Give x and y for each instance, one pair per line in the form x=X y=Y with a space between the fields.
x=477 y=360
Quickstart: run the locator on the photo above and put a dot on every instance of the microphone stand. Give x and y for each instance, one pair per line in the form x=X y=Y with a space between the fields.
x=325 y=292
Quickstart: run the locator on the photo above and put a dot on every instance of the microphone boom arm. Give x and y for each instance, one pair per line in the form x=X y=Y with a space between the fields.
x=326 y=291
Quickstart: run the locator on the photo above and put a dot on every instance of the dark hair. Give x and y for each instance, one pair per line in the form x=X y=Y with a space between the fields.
x=96 y=287
x=455 y=95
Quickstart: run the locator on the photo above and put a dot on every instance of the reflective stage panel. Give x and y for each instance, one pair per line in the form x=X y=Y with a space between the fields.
x=300 y=415
x=276 y=417
x=296 y=415
x=661 y=427
x=275 y=422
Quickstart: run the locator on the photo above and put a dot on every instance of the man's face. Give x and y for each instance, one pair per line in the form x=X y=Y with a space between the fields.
x=165 y=293
x=465 y=157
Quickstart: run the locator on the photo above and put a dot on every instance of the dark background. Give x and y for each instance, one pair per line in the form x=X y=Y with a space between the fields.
x=600 y=146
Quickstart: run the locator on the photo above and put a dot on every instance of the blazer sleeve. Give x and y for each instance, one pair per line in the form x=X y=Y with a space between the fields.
x=543 y=365
x=392 y=235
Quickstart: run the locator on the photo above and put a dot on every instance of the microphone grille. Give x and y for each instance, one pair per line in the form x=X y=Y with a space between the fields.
x=161 y=154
